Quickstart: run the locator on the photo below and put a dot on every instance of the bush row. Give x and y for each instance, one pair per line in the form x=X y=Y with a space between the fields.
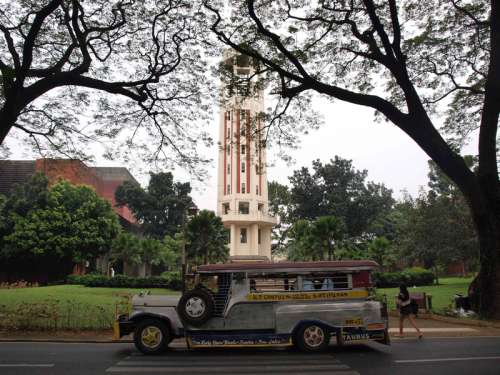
x=169 y=280
x=411 y=276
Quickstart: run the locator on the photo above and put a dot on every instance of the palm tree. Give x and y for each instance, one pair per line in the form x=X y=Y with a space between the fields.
x=207 y=238
x=327 y=231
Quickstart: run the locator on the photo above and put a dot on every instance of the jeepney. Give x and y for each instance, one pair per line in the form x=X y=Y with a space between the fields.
x=263 y=304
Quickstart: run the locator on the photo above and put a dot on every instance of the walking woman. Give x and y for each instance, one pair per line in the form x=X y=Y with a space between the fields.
x=405 y=310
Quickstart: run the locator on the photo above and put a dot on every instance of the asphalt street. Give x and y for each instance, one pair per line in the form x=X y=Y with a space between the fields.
x=452 y=356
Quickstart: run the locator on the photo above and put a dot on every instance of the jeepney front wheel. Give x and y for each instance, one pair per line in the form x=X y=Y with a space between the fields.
x=311 y=337
x=152 y=336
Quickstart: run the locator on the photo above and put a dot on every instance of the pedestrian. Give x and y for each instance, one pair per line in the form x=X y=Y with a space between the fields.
x=406 y=310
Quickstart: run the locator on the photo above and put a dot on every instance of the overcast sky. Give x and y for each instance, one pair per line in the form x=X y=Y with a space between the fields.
x=349 y=131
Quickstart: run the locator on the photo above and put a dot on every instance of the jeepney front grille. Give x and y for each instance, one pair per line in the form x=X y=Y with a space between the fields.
x=222 y=295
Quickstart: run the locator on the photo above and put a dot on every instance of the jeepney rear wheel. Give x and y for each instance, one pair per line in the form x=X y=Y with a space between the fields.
x=152 y=336
x=195 y=307
x=311 y=337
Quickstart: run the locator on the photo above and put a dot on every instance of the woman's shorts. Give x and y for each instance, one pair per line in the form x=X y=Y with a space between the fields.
x=406 y=310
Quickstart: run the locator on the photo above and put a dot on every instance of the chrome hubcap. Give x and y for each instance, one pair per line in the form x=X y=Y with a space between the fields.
x=151 y=337
x=314 y=336
x=195 y=307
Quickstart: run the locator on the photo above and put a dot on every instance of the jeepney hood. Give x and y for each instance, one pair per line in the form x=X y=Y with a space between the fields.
x=155 y=301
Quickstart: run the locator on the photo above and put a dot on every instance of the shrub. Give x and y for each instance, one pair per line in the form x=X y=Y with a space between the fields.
x=169 y=280
x=411 y=276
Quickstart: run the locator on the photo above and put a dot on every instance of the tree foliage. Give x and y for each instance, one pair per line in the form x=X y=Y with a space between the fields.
x=137 y=67
x=338 y=189
x=61 y=222
x=315 y=240
x=206 y=239
x=437 y=228
x=161 y=208
x=134 y=250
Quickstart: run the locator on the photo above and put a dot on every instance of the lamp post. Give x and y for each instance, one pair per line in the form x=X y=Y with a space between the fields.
x=191 y=212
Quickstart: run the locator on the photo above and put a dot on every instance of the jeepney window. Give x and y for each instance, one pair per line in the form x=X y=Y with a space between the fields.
x=272 y=283
x=325 y=282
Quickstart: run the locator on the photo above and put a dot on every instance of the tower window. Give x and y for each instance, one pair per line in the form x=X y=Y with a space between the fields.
x=228 y=149
x=229 y=169
x=258 y=236
x=243 y=149
x=244 y=208
x=243 y=235
x=257 y=189
x=225 y=208
x=243 y=131
x=243 y=188
x=242 y=167
x=228 y=189
x=229 y=132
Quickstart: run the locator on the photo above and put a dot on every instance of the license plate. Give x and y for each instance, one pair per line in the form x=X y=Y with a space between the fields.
x=356 y=336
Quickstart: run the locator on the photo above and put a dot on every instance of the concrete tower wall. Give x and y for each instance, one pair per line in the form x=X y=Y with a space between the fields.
x=242 y=181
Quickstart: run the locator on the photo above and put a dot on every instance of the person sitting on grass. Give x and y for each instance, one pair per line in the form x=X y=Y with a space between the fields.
x=406 y=310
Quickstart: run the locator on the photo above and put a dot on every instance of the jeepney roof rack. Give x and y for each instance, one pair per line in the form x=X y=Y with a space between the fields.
x=290 y=267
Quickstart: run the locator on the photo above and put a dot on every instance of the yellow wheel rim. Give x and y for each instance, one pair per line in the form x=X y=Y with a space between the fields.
x=151 y=337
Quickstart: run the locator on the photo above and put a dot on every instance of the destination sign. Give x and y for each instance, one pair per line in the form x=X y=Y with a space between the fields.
x=326 y=295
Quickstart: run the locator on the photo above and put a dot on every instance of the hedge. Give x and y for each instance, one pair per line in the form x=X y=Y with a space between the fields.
x=410 y=277
x=168 y=280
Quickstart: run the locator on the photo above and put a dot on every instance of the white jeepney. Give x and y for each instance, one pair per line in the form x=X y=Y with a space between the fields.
x=263 y=304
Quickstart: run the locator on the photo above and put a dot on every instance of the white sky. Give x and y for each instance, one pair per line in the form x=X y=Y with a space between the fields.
x=349 y=131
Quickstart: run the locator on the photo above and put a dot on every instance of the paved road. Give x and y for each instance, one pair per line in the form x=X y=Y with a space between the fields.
x=469 y=356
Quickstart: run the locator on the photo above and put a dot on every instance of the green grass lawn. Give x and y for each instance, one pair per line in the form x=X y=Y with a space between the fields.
x=63 y=306
x=442 y=295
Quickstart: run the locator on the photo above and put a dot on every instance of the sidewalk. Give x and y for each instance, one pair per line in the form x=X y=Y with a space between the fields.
x=429 y=327
x=434 y=328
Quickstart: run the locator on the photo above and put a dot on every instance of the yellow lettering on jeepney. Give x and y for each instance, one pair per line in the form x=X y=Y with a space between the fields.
x=287 y=296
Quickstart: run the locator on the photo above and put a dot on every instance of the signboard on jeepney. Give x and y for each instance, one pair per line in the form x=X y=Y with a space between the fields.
x=326 y=295
x=234 y=341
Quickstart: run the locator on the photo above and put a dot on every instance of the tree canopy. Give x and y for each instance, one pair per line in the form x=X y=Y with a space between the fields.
x=137 y=67
x=61 y=222
x=160 y=209
x=338 y=189
x=206 y=239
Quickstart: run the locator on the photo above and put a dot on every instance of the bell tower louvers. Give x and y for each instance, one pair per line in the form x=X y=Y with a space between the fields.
x=242 y=181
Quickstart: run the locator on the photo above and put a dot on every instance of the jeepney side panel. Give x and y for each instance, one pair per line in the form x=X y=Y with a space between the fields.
x=335 y=315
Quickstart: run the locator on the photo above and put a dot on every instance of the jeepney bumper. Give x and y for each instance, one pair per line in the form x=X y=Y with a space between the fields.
x=122 y=327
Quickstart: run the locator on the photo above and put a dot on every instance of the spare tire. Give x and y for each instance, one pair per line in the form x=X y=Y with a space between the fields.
x=195 y=307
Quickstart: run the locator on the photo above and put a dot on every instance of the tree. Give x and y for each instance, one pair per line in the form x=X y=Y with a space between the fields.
x=363 y=52
x=64 y=222
x=328 y=231
x=137 y=64
x=206 y=238
x=127 y=248
x=279 y=206
x=160 y=209
x=135 y=251
x=338 y=189
x=315 y=240
x=379 y=250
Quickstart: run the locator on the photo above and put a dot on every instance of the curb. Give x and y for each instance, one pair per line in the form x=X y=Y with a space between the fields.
x=67 y=341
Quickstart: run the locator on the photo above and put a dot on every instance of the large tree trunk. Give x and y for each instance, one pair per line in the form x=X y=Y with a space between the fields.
x=8 y=115
x=486 y=288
